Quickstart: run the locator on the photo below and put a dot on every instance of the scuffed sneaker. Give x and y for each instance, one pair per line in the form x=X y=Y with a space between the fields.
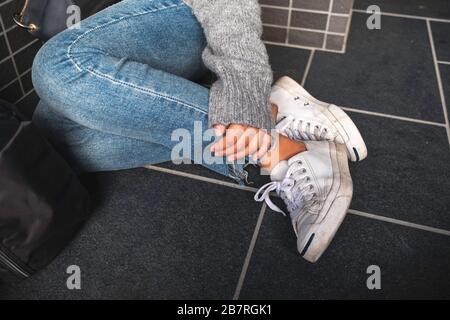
x=317 y=189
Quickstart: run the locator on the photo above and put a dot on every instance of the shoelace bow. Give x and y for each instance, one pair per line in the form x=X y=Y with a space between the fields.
x=297 y=129
x=295 y=190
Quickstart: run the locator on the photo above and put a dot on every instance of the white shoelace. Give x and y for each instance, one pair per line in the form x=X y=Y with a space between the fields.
x=297 y=129
x=295 y=189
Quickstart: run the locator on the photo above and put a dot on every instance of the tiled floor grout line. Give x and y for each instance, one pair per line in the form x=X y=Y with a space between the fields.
x=305 y=29
x=325 y=37
x=8 y=30
x=390 y=116
x=399 y=222
x=304 y=10
x=29 y=44
x=407 y=16
x=301 y=47
x=250 y=189
x=24 y=96
x=12 y=28
x=439 y=79
x=5 y=3
x=11 y=54
x=248 y=257
x=15 y=79
x=289 y=19
x=308 y=66
x=8 y=84
x=201 y=178
x=378 y=114
x=347 y=31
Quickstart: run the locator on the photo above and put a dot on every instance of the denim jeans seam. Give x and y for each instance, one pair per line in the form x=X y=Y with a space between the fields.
x=123 y=83
x=69 y=48
x=144 y=90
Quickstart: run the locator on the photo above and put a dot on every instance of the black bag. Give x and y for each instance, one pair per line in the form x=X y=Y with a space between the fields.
x=42 y=203
x=46 y=18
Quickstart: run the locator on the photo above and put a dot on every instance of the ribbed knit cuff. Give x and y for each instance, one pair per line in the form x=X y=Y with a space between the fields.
x=241 y=99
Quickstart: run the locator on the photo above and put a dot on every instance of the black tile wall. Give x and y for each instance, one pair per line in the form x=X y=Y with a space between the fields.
x=18 y=39
x=13 y=91
x=24 y=58
x=17 y=51
x=26 y=81
x=307 y=23
x=8 y=73
x=7 y=9
x=3 y=48
x=322 y=5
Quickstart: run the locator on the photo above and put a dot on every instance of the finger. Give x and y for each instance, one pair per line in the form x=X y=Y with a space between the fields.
x=232 y=135
x=264 y=147
x=219 y=130
x=242 y=142
x=251 y=148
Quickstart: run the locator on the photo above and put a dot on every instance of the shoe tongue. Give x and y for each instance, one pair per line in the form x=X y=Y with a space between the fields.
x=279 y=172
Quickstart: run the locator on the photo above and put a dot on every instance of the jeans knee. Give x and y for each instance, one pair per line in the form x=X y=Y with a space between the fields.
x=44 y=70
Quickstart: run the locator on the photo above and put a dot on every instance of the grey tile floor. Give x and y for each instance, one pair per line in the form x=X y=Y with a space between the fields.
x=184 y=232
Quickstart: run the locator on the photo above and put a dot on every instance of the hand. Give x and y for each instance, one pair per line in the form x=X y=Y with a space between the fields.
x=239 y=141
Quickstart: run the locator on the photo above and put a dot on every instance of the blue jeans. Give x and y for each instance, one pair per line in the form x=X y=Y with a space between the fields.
x=113 y=91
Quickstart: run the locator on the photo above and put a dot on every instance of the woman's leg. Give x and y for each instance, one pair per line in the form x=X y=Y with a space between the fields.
x=89 y=150
x=125 y=79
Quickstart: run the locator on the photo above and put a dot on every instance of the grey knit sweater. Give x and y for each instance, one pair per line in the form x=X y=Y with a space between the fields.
x=237 y=55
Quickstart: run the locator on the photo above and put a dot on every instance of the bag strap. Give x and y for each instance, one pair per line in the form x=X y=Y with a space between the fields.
x=27 y=6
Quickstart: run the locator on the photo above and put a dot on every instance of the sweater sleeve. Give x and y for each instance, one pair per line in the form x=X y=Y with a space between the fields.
x=238 y=57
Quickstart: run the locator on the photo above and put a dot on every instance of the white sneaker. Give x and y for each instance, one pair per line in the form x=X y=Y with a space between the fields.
x=303 y=117
x=317 y=189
